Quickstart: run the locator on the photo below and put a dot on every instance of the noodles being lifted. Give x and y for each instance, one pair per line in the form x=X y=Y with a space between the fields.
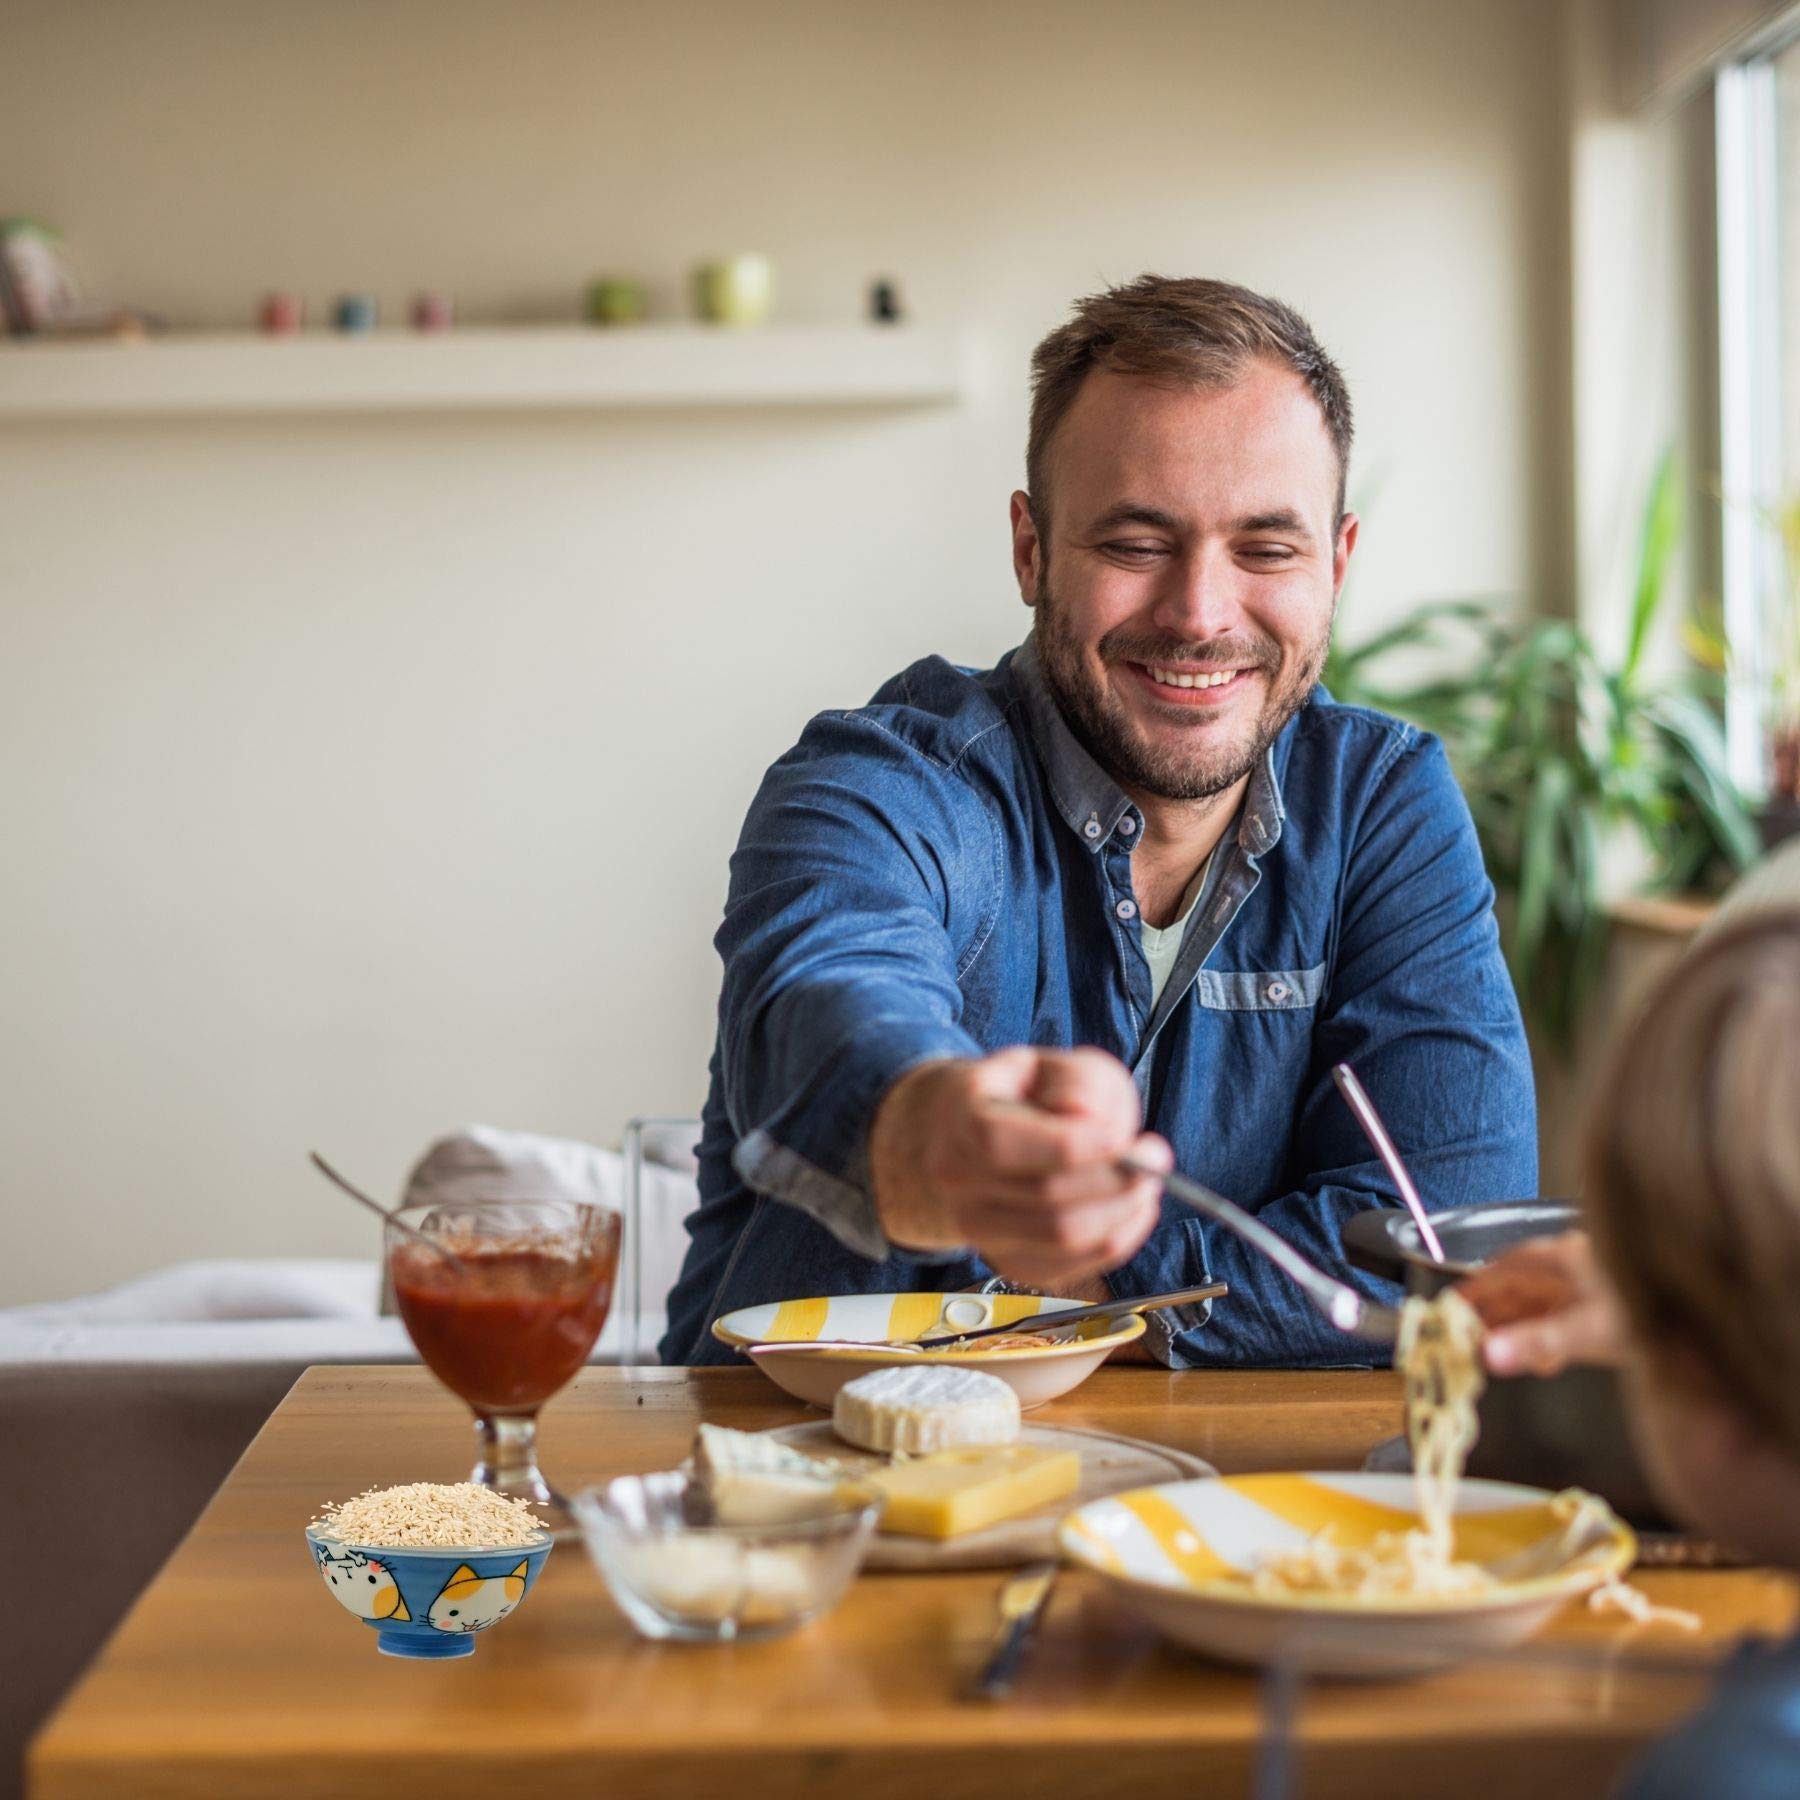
x=1438 y=1354
x=1439 y=1357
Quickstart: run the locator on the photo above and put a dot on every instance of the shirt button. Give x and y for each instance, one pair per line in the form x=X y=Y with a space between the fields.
x=1126 y=910
x=1091 y=829
x=1277 y=990
x=1128 y=825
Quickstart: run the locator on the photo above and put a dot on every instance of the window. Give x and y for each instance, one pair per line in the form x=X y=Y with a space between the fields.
x=1758 y=141
x=1785 y=67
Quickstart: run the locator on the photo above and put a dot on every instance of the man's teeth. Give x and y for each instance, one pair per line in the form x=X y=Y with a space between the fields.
x=1174 y=678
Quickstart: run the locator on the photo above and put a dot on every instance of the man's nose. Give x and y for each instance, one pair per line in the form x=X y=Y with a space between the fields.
x=1200 y=599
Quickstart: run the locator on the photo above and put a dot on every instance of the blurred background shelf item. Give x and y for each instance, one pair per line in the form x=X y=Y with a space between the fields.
x=537 y=367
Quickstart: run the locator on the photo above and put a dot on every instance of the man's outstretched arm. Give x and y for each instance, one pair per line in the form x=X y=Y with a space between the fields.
x=866 y=880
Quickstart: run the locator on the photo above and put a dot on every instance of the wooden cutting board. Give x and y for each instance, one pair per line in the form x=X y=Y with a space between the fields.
x=1109 y=1465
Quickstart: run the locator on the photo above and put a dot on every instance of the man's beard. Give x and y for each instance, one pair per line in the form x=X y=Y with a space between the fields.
x=1197 y=768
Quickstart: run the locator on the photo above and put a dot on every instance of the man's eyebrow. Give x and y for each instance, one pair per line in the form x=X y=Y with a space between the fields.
x=1130 y=512
x=1283 y=518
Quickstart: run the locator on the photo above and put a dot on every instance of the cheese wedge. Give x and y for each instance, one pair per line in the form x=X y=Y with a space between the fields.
x=955 y=1491
x=926 y=1408
x=751 y=1479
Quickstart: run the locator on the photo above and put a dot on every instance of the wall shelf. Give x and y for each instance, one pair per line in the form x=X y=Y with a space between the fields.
x=562 y=368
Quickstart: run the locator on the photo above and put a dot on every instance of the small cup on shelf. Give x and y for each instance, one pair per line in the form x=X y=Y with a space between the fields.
x=737 y=290
x=432 y=311
x=356 y=313
x=615 y=300
x=282 y=314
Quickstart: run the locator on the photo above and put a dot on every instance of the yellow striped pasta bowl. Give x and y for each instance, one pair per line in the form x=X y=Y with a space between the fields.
x=1180 y=1554
x=1035 y=1372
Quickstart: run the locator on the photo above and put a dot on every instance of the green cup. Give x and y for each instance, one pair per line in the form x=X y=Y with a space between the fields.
x=737 y=290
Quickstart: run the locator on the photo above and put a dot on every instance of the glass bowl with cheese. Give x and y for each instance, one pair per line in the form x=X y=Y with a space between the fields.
x=713 y=1555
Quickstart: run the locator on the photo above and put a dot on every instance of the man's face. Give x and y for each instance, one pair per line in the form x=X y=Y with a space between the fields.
x=1186 y=583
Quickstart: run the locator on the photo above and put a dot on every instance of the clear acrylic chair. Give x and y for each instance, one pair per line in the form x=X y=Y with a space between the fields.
x=642 y=1137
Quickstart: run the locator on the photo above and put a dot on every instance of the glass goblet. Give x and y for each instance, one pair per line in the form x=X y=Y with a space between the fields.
x=503 y=1300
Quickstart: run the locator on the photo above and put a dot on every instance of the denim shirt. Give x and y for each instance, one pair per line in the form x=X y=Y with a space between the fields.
x=946 y=871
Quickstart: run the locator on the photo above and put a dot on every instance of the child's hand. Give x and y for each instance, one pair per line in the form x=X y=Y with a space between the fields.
x=1546 y=1305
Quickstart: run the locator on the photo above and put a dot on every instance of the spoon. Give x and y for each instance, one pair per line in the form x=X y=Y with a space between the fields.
x=1337 y=1300
x=375 y=1206
x=1376 y=1132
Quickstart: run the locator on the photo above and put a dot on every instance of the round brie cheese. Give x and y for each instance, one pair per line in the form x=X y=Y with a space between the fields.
x=924 y=1409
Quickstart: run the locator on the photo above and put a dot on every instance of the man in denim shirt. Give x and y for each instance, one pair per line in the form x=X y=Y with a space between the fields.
x=1134 y=890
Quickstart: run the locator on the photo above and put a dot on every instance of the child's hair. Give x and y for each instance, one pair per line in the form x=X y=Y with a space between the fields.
x=1693 y=1168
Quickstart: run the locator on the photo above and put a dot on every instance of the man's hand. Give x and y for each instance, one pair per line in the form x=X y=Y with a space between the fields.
x=1546 y=1305
x=1016 y=1155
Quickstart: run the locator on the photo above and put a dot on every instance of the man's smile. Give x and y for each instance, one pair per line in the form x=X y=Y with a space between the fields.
x=1198 y=687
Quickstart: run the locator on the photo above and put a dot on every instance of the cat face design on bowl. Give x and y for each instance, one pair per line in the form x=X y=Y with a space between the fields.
x=363 y=1585
x=471 y=1602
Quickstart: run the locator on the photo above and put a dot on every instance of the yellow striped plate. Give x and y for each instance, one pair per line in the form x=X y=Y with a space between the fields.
x=1175 y=1554
x=1037 y=1374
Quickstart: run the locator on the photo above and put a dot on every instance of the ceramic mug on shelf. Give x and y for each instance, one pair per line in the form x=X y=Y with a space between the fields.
x=736 y=290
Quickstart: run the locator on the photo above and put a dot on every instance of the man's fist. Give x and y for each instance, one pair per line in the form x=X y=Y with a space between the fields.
x=1016 y=1155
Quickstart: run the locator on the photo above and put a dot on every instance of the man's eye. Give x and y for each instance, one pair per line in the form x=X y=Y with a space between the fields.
x=1132 y=550
x=1267 y=553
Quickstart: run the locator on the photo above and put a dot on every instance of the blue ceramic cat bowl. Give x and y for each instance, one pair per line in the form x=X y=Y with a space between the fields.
x=426 y=1603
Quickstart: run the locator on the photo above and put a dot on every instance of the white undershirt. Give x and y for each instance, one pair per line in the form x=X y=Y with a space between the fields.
x=1162 y=948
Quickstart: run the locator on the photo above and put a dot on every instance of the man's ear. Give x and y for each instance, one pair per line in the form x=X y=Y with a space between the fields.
x=1027 y=550
x=1348 y=528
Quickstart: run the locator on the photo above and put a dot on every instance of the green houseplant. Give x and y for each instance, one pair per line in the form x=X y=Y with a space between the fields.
x=1556 y=749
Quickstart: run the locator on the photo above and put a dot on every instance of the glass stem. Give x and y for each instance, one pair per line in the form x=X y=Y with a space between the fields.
x=506 y=1444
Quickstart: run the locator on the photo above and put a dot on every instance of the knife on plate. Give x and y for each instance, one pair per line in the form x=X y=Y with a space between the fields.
x=1033 y=1324
x=1022 y=1601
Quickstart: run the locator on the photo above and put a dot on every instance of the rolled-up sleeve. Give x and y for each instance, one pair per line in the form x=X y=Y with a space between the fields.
x=865 y=881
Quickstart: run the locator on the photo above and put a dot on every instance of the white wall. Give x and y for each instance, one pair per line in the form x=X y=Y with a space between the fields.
x=361 y=777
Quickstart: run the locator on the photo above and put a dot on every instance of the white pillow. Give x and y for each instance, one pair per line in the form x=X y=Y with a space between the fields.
x=224 y=1288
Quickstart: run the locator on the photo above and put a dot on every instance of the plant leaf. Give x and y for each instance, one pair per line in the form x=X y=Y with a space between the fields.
x=1656 y=549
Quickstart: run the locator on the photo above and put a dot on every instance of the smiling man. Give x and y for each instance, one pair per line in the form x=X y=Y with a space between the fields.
x=1133 y=891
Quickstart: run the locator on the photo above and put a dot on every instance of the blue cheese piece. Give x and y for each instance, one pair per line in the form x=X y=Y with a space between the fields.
x=919 y=1410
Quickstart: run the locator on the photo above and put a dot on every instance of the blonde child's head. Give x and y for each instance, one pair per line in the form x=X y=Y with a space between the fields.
x=1693 y=1197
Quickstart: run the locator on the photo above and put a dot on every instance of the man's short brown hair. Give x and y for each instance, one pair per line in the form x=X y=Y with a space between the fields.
x=1186 y=332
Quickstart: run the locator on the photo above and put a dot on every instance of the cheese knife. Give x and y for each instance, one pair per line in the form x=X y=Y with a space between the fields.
x=1022 y=1601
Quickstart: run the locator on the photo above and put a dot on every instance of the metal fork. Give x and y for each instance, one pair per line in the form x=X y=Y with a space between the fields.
x=1348 y=1310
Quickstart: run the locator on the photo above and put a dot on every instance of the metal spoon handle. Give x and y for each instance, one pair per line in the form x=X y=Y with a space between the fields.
x=382 y=1213
x=1376 y=1132
x=1337 y=1300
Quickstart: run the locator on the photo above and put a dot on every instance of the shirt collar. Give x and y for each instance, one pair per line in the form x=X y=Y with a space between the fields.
x=1091 y=802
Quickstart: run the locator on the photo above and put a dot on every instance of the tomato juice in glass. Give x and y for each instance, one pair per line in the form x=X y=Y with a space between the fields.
x=503 y=1303
x=510 y=1334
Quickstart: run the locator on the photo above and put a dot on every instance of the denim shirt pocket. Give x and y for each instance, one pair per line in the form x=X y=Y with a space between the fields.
x=1261 y=990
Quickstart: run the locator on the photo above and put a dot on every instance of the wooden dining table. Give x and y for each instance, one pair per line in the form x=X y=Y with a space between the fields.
x=236 y=1673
